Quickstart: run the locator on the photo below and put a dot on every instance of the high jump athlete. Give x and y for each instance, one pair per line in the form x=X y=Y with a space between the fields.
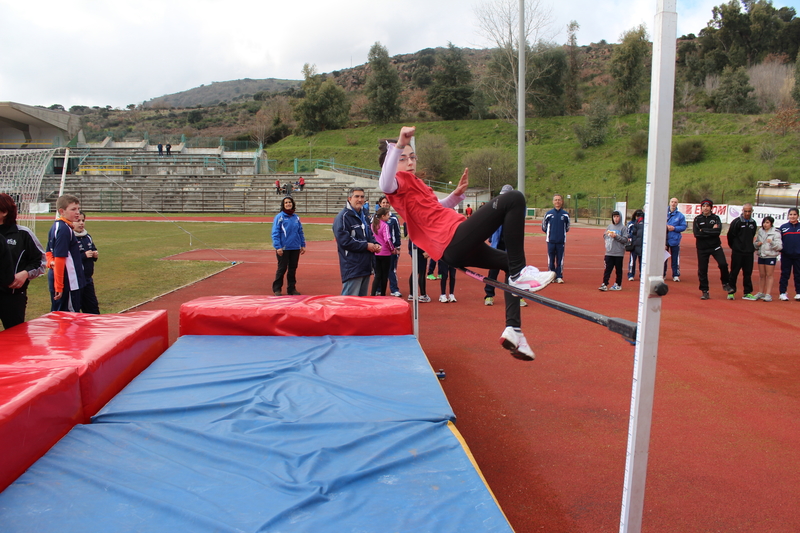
x=435 y=227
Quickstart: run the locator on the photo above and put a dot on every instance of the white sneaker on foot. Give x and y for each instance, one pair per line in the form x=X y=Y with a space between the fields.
x=797 y=297
x=488 y=301
x=559 y=280
x=531 y=280
x=452 y=299
x=523 y=303
x=514 y=341
x=443 y=298
x=783 y=297
x=675 y=278
x=767 y=298
x=397 y=294
x=424 y=299
x=615 y=287
x=603 y=287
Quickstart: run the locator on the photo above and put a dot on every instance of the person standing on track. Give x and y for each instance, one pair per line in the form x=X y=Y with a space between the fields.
x=555 y=226
x=790 y=255
x=397 y=241
x=707 y=228
x=676 y=225
x=768 y=245
x=383 y=258
x=89 y=256
x=616 y=236
x=289 y=242
x=355 y=244
x=65 y=278
x=741 y=234
x=459 y=241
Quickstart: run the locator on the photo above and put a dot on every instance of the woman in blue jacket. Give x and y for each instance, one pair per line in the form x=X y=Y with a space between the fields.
x=290 y=244
x=790 y=255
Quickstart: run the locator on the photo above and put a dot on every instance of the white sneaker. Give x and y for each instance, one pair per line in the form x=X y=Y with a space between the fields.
x=797 y=297
x=452 y=299
x=630 y=278
x=767 y=298
x=410 y=297
x=443 y=298
x=514 y=341
x=675 y=278
x=615 y=287
x=523 y=303
x=603 y=287
x=488 y=301
x=424 y=299
x=531 y=280
x=397 y=294
x=783 y=297
x=559 y=280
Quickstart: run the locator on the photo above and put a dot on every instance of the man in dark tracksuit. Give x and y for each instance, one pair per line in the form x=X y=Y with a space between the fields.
x=707 y=228
x=555 y=226
x=28 y=263
x=741 y=234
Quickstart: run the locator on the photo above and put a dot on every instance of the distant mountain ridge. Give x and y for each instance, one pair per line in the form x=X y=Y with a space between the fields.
x=221 y=91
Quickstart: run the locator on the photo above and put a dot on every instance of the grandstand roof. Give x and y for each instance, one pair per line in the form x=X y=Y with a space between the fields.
x=20 y=116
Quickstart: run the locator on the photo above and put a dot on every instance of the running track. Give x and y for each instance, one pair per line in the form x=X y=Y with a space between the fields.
x=550 y=435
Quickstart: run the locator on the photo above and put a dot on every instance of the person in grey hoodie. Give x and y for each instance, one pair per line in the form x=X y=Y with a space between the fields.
x=616 y=236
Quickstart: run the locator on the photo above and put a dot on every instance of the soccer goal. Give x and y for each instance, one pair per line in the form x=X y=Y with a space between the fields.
x=21 y=174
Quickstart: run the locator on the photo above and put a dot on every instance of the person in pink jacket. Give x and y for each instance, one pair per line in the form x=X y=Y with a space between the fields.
x=383 y=258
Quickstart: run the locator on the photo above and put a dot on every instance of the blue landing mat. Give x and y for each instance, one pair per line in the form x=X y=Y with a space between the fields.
x=286 y=478
x=203 y=380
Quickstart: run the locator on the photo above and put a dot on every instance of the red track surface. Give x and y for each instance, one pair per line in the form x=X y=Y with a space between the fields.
x=550 y=435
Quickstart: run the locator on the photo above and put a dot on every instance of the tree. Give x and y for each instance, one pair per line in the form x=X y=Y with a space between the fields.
x=434 y=154
x=503 y=164
x=382 y=88
x=628 y=68
x=498 y=23
x=422 y=77
x=733 y=94
x=571 y=98
x=449 y=96
x=796 y=88
x=546 y=94
x=325 y=106
x=595 y=129
x=273 y=121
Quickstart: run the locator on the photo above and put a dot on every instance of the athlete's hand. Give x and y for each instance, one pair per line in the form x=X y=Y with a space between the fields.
x=406 y=134
x=463 y=183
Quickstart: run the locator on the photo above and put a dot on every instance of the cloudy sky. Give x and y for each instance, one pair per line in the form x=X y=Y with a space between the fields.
x=92 y=52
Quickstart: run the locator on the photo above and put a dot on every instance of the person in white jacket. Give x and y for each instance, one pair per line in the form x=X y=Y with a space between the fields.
x=768 y=245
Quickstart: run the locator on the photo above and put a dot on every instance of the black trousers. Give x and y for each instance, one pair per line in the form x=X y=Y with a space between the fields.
x=12 y=307
x=381 y=280
x=89 y=302
x=421 y=262
x=287 y=264
x=469 y=247
x=612 y=262
x=744 y=263
x=703 y=255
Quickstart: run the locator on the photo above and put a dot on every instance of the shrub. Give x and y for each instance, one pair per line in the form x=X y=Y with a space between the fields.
x=434 y=154
x=595 y=129
x=627 y=172
x=580 y=154
x=768 y=153
x=638 y=143
x=779 y=174
x=746 y=148
x=688 y=151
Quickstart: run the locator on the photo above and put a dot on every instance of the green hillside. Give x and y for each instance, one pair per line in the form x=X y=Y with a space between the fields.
x=739 y=151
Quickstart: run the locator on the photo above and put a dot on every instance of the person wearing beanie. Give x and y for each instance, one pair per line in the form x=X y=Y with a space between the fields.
x=707 y=228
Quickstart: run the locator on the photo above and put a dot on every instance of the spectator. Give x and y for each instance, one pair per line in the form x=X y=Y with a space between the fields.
x=616 y=236
x=160 y=149
x=169 y=149
x=65 y=278
x=468 y=211
x=289 y=242
x=555 y=226
x=790 y=255
x=676 y=225
x=278 y=186
x=741 y=234
x=768 y=246
x=302 y=183
x=24 y=261
x=383 y=257
x=422 y=258
x=394 y=231
x=355 y=244
x=707 y=228
x=89 y=256
x=635 y=243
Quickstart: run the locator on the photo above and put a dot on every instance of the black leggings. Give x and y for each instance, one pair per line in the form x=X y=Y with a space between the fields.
x=469 y=248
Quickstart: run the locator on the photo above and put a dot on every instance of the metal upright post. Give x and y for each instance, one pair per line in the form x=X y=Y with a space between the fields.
x=651 y=286
x=523 y=41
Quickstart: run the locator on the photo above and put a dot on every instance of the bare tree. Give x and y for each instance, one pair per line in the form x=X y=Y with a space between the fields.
x=275 y=115
x=498 y=23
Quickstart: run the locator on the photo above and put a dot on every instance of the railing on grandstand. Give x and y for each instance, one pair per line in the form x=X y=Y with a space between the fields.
x=309 y=165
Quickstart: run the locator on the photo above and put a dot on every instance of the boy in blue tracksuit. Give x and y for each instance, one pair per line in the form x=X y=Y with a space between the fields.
x=64 y=257
x=89 y=257
x=676 y=224
x=555 y=226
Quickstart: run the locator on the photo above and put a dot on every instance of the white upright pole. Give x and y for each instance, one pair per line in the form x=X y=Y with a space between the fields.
x=63 y=176
x=521 y=101
x=652 y=286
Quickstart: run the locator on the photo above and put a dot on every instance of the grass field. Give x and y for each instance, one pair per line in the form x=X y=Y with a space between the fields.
x=130 y=269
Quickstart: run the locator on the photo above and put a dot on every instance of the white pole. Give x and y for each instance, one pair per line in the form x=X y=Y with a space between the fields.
x=651 y=287
x=415 y=289
x=521 y=101
x=63 y=176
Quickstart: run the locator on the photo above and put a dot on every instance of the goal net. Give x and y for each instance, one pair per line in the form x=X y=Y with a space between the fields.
x=21 y=174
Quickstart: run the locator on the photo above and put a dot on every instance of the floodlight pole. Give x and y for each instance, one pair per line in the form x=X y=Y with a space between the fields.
x=521 y=102
x=651 y=286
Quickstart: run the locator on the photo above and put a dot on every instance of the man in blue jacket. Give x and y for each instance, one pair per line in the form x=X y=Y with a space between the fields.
x=555 y=226
x=676 y=224
x=355 y=243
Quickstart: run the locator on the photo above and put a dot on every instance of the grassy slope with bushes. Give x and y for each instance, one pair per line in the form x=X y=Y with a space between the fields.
x=733 y=161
